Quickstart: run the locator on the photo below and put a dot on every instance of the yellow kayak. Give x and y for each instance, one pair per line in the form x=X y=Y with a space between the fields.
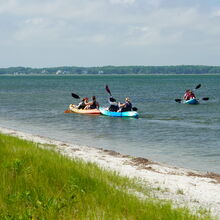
x=83 y=111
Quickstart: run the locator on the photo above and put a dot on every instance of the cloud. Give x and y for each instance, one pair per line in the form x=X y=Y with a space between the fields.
x=80 y=18
x=106 y=24
x=216 y=12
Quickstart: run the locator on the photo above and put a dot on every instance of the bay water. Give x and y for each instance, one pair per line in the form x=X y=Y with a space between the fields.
x=166 y=131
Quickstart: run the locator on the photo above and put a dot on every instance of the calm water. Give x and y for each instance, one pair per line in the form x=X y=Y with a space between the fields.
x=177 y=134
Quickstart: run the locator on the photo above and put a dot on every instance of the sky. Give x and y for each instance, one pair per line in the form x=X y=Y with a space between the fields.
x=51 y=33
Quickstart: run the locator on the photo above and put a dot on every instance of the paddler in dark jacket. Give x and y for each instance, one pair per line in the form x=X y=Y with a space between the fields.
x=126 y=107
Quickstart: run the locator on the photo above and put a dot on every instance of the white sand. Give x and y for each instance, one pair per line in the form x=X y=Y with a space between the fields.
x=183 y=186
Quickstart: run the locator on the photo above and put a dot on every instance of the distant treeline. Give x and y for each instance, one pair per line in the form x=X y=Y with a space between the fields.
x=180 y=69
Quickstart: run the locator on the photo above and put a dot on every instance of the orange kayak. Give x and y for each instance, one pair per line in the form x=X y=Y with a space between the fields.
x=83 y=111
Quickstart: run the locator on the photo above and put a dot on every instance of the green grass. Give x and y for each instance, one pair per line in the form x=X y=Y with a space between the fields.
x=41 y=184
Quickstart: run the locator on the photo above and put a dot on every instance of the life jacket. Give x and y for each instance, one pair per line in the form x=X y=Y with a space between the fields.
x=113 y=108
x=93 y=106
x=113 y=105
x=127 y=107
x=81 y=105
x=186 y=96
x=189 y=95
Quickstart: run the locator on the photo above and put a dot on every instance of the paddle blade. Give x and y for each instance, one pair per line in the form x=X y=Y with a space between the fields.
x=134 y=109
x=75 y=96
x=112 y=99
x=205 y=98
x=178 y=100
x=108 y=90
x=198 y=86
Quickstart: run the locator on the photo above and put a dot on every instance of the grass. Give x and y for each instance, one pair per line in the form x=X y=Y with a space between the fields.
x=42 y=184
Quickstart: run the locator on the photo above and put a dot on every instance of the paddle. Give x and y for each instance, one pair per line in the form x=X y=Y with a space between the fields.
x=198 y=86
x=134 y=108
x=75 y=96
x=204 y=99
x=178 y=100
x=108 y=90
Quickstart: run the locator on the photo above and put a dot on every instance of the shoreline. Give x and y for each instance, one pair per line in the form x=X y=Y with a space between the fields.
x=185 y=187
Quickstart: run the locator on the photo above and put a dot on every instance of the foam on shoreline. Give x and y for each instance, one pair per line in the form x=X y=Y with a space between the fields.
x=184 y=187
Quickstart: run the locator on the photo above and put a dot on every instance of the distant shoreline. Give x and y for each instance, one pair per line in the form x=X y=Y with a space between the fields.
x=127 y=74
x=183 y=186
x=102 y=70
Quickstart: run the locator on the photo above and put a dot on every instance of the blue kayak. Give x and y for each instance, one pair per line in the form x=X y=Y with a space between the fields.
x=192 y=101
x=106 y=112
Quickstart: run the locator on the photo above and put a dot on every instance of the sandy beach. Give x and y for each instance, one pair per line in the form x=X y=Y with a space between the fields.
x=184 y=187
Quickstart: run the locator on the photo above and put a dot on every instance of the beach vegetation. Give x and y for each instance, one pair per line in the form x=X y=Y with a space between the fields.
x=39 y=183
x=180 y=192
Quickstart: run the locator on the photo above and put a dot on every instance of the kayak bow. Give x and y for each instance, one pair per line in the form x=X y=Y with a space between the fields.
x=192 y=101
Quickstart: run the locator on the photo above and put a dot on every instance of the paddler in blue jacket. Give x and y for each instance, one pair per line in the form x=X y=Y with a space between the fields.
x=126 y=107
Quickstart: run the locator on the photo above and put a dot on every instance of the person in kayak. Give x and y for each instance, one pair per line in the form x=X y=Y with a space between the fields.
x=93 y=104
x=113 y=105
x=189 y=95
x=83 y=103
x=125 y=107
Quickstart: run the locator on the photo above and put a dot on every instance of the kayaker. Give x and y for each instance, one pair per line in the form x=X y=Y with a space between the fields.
x=83 y=103
x=125 y=107
x=189 y=95
x=113 y=105
x=186 y=95
x=93 y=104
